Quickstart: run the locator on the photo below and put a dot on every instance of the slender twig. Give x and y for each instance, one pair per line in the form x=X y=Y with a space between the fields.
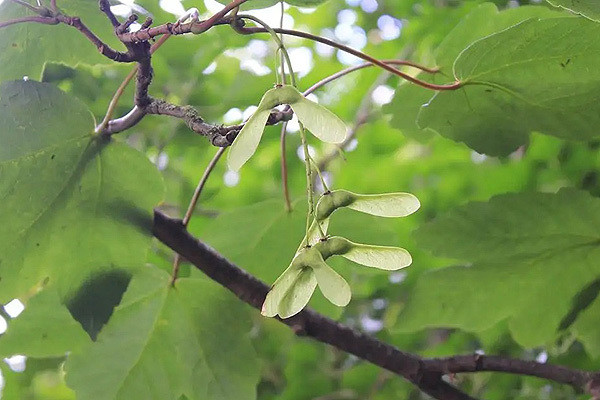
x=349 y=70
x=75 y=22
x=354 y=52
x=105 y=8
x=115 y=100
x=53 y=5
x=32 y=18
x=277 y=40
x=26 y=5
x=284 y=169
x=120 y=90
x=194 y=200
x=102 y=47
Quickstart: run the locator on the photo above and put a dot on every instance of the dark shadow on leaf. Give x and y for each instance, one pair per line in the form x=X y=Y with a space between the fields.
x=94 y=302
x=581 y=301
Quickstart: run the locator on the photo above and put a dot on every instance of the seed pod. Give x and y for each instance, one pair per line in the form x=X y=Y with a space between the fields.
x=317 y=119
x=331 y=201
x=382 y=205
x=386 y=204
x=290 y=293
x=332 y=285
x=382 y=257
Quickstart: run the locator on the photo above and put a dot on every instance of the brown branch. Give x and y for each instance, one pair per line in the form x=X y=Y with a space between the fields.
x=219 y=135
x=105 y=8
x=195 y=27
x=248 y=31
x=102 y=47
x=53 y=17
x=426 y=374
x=309 y=323
x=477 y=363
x=33 y=18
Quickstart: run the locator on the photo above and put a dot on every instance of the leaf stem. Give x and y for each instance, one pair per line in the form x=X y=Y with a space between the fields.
x=27 y=5
x=194 y=200
x=276 y=38
x=349 y=70
x=319 y=173
x=354 y=52
x=284 y=170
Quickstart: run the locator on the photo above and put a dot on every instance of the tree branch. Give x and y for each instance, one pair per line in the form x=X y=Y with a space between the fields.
x=54 y=17
x=426 y=374
x=477 y=363
x=219 y=135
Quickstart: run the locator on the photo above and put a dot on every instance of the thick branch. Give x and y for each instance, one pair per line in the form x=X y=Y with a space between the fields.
x=423 y=373
x=252 y=291
x=219 y=135
x=477 y=363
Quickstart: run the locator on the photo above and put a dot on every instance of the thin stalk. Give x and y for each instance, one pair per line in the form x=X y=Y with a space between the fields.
x=284 y=170
x=354 y=52
x=319 y=173
x=27 y=5
x=309 y=182
x=349 y=70
x=276 y=38
x=194 y=200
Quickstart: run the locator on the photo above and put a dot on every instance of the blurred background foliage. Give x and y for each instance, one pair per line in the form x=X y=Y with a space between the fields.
x=223 y=75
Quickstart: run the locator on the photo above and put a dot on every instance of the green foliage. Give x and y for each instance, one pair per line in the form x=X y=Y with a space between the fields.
x=528 y=251
x=483 y=21
x=503 y=86
x=504 y=251
x=82 y=194
x=131 y=359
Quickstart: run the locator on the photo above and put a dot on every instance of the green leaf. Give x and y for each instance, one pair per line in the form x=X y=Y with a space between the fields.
x=70 y=208
x=483 y=21
x=44 y=329
x=26 y=47
x=506 y=94
x=588 y=8
x=539 y=247
x=164 y=343
x=93 y=303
